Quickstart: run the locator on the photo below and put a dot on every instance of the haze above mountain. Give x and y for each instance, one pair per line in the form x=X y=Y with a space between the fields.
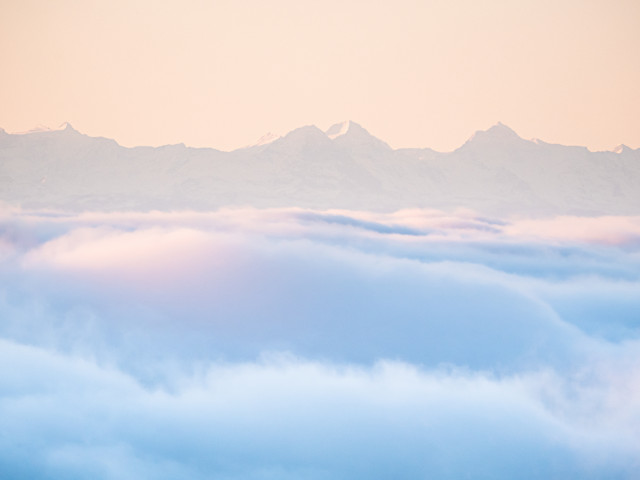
x=494 y=172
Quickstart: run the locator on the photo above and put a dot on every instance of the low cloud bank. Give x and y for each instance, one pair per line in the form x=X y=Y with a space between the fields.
x=285 y=417
x=318 y=344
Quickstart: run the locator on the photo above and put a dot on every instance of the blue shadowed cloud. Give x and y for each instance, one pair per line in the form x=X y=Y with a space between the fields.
x=302 y=344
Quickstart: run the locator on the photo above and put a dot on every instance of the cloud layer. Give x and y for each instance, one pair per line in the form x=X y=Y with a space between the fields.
x=318 y=344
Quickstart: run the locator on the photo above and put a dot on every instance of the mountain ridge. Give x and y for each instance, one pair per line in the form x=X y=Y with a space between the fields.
x=495 y=131
x=495 y=171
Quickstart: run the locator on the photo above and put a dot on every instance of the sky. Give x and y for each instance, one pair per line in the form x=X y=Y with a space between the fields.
x=415 y=73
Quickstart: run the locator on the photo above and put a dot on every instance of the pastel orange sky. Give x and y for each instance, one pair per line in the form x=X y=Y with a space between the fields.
x=414 y=73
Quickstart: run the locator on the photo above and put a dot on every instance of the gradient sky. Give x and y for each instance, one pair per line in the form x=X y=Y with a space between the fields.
x=414 y=73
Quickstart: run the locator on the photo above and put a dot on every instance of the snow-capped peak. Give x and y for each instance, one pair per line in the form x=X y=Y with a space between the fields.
x=622 y=148
x=66 y=126
x=353 y=136
x=266 y=139
x=500 y=130
x=499 y=133
x=63 y=127
x=36 y=129
x=338 y=129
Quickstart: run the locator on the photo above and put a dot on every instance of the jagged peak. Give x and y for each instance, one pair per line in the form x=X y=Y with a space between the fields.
x=267 y=138
x=63 y=127
x=338 y=129
x=498 y=133
x=302 y=137
x=349 y=132
x=66 y=127
x=500 y=130
x=306 y=131
x=622 y=148
x=344 y=128
x=37 y=129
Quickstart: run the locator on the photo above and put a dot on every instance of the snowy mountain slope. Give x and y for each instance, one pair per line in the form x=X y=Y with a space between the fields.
x=495 y=171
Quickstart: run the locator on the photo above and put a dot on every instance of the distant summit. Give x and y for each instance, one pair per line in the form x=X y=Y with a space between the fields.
x=498 y=136
x=63 y=127
x=354 y=136
x=622 y=148
x=266 y=139
x=348 y=127
x=338 y=129
x=497 y=133
x=306 y=134
x=67 y=127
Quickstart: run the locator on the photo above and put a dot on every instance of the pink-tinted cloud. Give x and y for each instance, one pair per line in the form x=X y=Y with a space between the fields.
x=594 y=230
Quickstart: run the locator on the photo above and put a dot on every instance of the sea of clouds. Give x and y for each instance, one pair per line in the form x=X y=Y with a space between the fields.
x=301 y=344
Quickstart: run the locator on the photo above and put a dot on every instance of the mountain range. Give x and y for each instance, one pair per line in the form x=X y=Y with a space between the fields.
x=495 y=172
